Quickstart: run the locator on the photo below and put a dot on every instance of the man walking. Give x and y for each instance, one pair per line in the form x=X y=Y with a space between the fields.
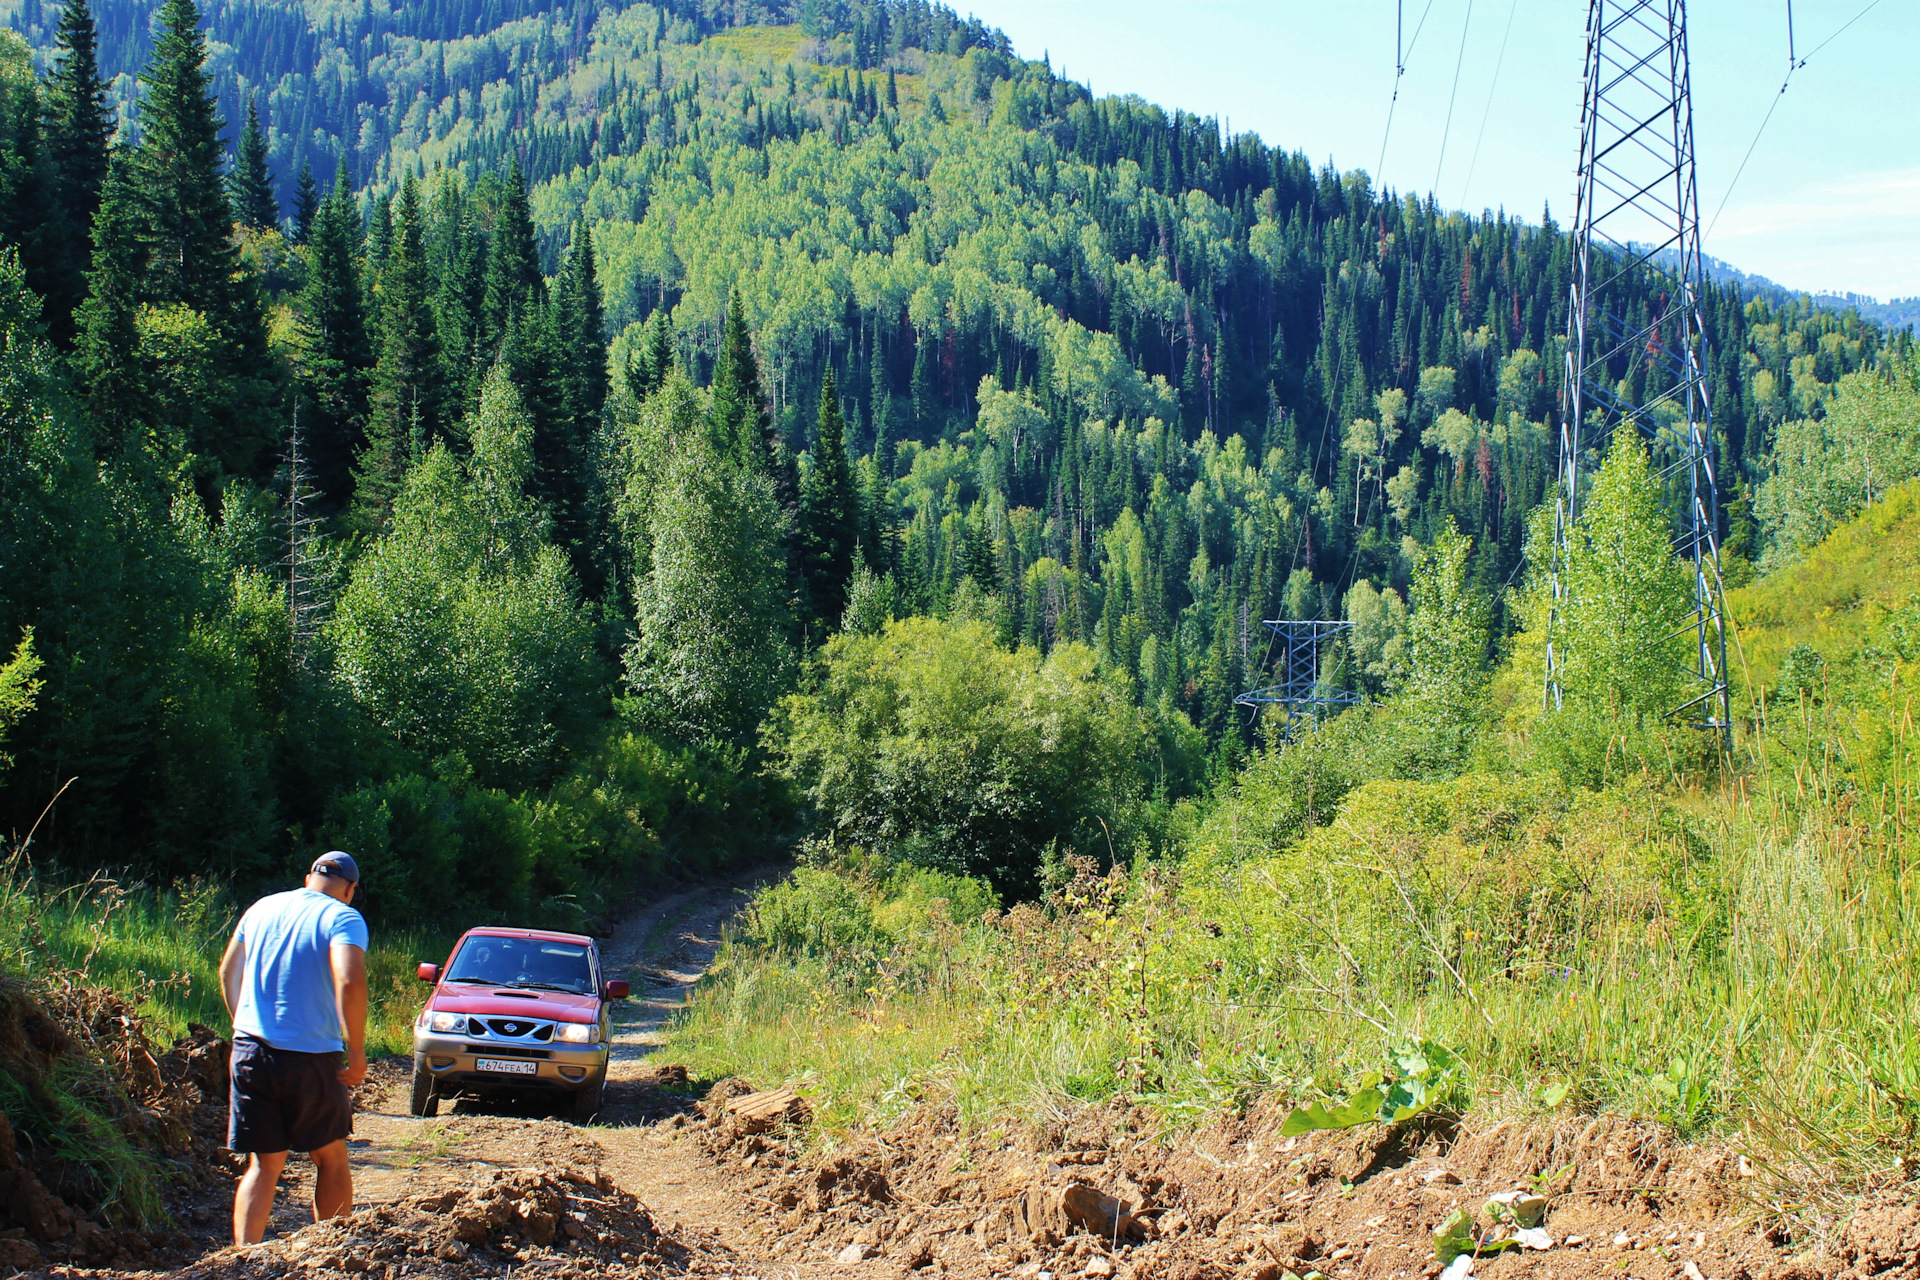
x=295 y=981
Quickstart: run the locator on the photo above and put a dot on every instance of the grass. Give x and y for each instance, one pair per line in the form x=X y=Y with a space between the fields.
x=1729 y=957
x=162 y=948
x=1833 y=599
x=1731 y=968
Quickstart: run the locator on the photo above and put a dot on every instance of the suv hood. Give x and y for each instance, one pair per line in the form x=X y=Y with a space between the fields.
x=492 y=1002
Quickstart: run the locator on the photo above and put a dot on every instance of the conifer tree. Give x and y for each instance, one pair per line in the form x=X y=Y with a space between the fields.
x=575 y=366
x=79 y=130
x=380 y=233
x=649 y=365
x=193 y=260
x=404 y=407
x=338 y=353
x=738 y=418
x=190 y=230
x=455 y=260
x=306 y=203
x=579 y=331
x=513 y=281
x=251 y=185
x=830 y=515
x=106 y=355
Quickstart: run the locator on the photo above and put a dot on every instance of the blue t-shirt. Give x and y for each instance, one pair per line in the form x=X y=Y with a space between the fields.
x=286 y=988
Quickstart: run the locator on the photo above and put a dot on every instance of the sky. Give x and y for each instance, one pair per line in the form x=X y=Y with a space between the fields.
x=1488 y=110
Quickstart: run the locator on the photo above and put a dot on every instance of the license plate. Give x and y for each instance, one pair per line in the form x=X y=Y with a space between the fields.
x=507 y=1066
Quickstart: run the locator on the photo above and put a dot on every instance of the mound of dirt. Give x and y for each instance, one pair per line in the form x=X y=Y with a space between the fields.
x=95 y=1125
x=565 y=1223
x=1108 y=1195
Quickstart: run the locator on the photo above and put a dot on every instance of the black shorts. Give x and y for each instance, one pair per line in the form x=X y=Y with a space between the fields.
x=281 y=1100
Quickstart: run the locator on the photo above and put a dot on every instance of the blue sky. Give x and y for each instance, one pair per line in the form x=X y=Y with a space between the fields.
x=1829 y=201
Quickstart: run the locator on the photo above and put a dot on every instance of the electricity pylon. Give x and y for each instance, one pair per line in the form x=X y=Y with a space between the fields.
x=1300 y=689
x=1638 y=204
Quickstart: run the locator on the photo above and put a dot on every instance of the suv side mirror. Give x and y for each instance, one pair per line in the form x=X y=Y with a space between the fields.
x=428 y=973
x=618 y=989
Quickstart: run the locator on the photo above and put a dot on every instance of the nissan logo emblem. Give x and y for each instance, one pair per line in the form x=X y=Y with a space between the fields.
x=510 y=1028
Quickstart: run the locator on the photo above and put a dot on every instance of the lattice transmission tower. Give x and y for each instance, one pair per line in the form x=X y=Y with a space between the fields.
x=1300 y=691
x=1638 y=206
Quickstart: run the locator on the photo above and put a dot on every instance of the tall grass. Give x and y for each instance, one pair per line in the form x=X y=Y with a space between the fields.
x=162 y=948
x=1736 y=962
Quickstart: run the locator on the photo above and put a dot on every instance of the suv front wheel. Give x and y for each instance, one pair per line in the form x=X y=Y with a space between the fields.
x=424 y=1101
x=586 y=1103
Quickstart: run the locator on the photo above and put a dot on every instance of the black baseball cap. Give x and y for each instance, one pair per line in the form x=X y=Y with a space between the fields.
x=339 y=865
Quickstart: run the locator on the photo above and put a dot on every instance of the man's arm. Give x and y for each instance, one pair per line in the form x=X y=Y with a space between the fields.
x=350 y=996
x=233 y=968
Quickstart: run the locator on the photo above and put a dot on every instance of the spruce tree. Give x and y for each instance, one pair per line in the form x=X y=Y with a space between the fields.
x=830 y=515
x=251 y=185
x=191 y=222
x=579 y=330
x=79 y=131
x=652 y=358
x=337 y=350
x=576 y=372
x=193 y=260
x=107 y=352
x=738 y=417
x=456 y=262
x=513 y=281
x=404 y=407
x=306 y=202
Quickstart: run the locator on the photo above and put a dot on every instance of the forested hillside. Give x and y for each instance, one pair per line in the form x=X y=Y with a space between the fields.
x=452 y=431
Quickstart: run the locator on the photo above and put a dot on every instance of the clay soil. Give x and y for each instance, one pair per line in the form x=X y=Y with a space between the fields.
x=668 y=1183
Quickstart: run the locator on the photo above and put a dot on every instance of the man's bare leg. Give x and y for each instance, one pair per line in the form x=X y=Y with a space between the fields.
x=253 y=1201
x=332 y=1181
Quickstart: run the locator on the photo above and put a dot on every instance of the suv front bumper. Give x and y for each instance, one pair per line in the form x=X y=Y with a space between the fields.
x=454 y=1064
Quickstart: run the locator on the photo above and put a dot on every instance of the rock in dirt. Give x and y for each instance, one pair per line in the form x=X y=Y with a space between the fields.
x=758 y=1112
x=1095 y=1211
x=1099 y=1265
x=851 y=1254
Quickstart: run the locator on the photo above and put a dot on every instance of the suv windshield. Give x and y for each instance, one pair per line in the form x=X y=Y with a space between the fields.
x=523 y=962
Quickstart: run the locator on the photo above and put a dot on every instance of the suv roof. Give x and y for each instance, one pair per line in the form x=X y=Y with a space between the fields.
x=545 y=935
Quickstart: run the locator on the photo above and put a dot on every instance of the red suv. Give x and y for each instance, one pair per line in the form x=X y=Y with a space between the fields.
x=515 y=1010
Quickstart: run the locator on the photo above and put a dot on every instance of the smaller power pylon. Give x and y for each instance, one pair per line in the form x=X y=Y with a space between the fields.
x=1300 y=690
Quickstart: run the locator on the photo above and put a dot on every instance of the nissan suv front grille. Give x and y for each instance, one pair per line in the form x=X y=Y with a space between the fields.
x=511 y=1028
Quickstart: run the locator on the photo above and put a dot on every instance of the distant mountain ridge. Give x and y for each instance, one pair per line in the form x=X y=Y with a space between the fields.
x=1894 y=313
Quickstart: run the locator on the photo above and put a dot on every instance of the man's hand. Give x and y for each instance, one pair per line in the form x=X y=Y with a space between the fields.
x=356 y=1069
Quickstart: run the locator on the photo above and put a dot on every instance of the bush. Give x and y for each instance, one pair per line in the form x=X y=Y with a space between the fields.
x=933 y=744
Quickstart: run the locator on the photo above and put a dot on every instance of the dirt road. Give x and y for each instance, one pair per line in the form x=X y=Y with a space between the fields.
x=662 y=949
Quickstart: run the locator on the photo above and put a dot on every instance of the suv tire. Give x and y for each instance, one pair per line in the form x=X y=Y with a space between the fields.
x=424 y=1101
x=586 y=1103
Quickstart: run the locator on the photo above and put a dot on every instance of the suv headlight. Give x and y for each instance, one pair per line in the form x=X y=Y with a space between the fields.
x=577 y=1032
x=447 y=1021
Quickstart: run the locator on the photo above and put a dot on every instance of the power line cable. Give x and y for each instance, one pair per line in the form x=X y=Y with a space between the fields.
x=1498 y=63
x=1400 y=56
x=1793 y=64
x=1458 y=63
